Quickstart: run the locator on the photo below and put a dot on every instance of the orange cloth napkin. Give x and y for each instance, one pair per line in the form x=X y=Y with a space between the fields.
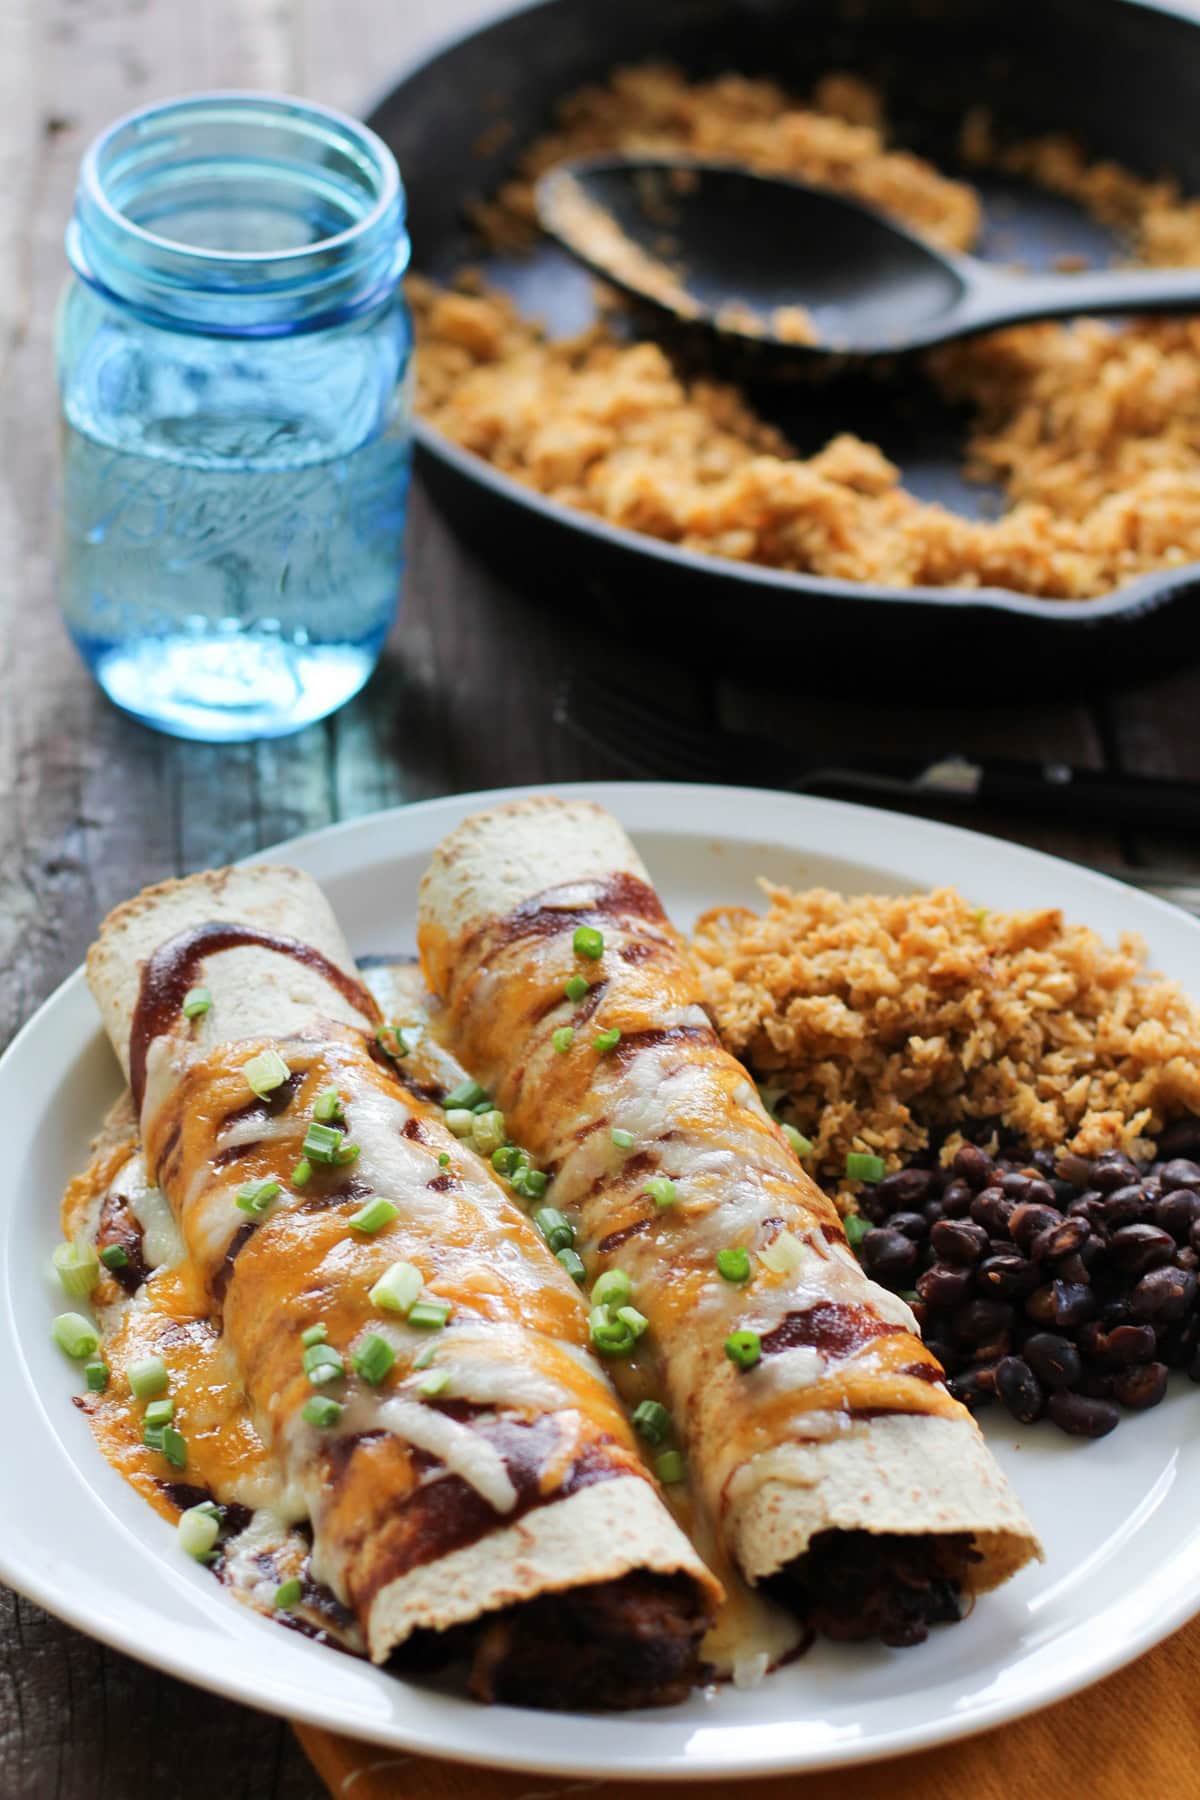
x=1134 y=1737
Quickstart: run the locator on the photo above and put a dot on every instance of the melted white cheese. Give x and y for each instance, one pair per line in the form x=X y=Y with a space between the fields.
x=463 y=1451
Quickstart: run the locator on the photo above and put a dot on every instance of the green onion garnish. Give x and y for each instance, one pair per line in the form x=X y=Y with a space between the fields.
x=374 y=1215
x=576 y=988
x=398 y=1048
x=148 y=1378
x=322 y=1363
x=856 y=1229
x=327 y=1107
x=613 y=1288
x=669 y=1467
x=610 y=1335
x=265 y=1072
x=482 y=1106
x=743 y=1348
x=302 y=1173
x=78 y=1267
x=443 y=1159
x=196 y=1002
x=255 y=1196
x=661 y=1190
x=159 y=1412
x=197 y=1531
x=504 y=1160
x=288 y=1593
x=563 y=1038
x=373 y=1358
x=607 y=1040
x=75 y=1334
x=398 y=1288
x=800 y=1144
x=174 y=1447
x=637 y=1322
x=557 y=1230
x=861 y=1166
x=321 y=1411
x=322 y=1142
x=467 y=1093
x=652 y=1421
x=488 y=1132
x=531 y=1183
x=461 y=1121
x=733 y=1263
x=572 y=1262
x=621 y=1138
x=315 y=1334
x=96 y=1375
x=429 y=1315
x=114 y=1257
x=588 y=942
x=436 y=1382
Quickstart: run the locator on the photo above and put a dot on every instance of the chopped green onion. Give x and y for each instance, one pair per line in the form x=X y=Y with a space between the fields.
x=374 y=1215
x=637 y=1322
x=800 y=1144
x=398 y=1288
x=321 y=1411
x=557 y=1230
x=504 y=1160
x=152 y=1437
x=114 y=1257
x=743 y=1348
x=488 y=1133
x=436 y=1382
x=196 y=1002
x=266 y=1072
x=401 y=1047
x=908 y=1295
x=159 y=1412
x=733 y=1263
x=467 y=1093
x=532 y=1183
x=174 y=1447
x=482 y=1106
x=322 y=1363
x=76 y=1335
x=302 y=1173
x=373 y=1358
x=856 y=1229
x=588 y=942
x=613 y=1288
x=443 y=1159
x=347 y=1153
x=96 y=1375
x=461 y=1121
x=572 y=1262
x=426 y=1357
x=315 y=1334
x=770 y=1096
x=327 y=1107
x=563 y=1038
x=576 y=988
x=621 y=1138
x=148 y=1378
x=669 y=1467
x=322 y=1142
x=288 y=1593
x=78 y=1268
x=429 y=1315
x=661 y=1190
x=197 y=1531
x=256 y=1196
x=861 y=1166
x=610 y=1335
x=652 y=1421
x=607 y=1040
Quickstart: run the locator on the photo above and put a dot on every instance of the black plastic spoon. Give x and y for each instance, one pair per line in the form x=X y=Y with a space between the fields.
x=765 y=260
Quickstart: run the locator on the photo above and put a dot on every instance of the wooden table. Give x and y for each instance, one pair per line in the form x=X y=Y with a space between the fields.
x=92 y=806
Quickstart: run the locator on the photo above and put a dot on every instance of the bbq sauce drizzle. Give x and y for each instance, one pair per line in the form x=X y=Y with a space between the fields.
x=169 y=973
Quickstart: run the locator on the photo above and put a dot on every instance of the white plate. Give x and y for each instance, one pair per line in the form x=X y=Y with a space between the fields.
x=1118 y=1517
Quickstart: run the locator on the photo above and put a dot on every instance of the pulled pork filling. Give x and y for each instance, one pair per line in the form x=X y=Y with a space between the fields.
x=852 y=1585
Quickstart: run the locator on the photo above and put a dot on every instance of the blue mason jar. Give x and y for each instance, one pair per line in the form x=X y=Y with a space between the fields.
x=233 y=357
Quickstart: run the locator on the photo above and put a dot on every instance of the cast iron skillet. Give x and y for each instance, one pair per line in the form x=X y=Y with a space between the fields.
x=1123 y=75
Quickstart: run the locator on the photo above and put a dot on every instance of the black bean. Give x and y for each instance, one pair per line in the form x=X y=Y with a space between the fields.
x=1163 y=1296
x=1097 y=1384
x=1073 y=1268
x=1187 y=1258
x=1193 y=1368
x=944 y=1351
x=1116 y=1312
x=1179 y=1343
x=913 y=1224
x=1073 y=1168
x=904 y=1188
x=978 y=1321
x=992 y=1209
x=1176 y=1212
x=1010 y=1276
x=1080 y=1416
x=1137 y=1248
x=956 y=1199
x=1117 y=1348
x=973 y=1165
x=934 y=1210
x=871 y=1206
x=1053 y=1359
x=944 y=1284
x=889 y=1257
x=1016 y=1183
x=1064 y=1239
x=1020 y=1390
x=1182 y=1139
x=1181 y=1172
x=1062 y=1303
x=974 y=1387
x=959 y=1241
x=1064 y=1191
x=1029 y=1219
x=1127 y=1205
x=1141 y=1387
